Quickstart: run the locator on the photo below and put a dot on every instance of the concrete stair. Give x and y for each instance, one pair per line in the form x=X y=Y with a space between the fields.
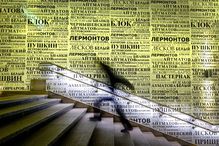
x=35 y=120
x=103 y=134
x=121 y=139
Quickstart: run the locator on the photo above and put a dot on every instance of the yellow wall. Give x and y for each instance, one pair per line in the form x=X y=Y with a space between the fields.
x=167 y=48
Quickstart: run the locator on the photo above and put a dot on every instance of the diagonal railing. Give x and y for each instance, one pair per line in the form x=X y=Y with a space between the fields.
x=171 y=122
x=160 y=109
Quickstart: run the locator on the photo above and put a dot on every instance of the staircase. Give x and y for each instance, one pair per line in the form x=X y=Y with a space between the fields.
x=38 y=120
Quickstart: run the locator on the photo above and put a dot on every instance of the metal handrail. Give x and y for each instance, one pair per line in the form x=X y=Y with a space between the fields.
x=181 y=141
x=163 y=113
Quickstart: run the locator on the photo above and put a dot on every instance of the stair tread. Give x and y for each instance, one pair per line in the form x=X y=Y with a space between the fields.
x=14 y=98
x=16 y=127
x=138 y=138
x=81 y=134
x=152 y=140
x=175 y=143
x=51 y=132
x=164 y=141
x=20 y=108
x=104 y=133
x=121 y=139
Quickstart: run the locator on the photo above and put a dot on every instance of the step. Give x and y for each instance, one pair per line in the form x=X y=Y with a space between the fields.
x=53 y=131
x=175 y=143
x=28 y=122
x=103 y=134
x=152 y=140
x=138 y=138
x=121 y=139
x=18 y=110
x=164 y=141
x=18 y=99
x=80 y=135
